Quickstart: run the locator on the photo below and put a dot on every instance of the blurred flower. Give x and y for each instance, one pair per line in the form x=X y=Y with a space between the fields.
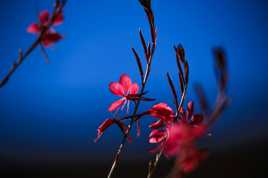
x=124 y=88
x=176 y=138
x=46 y=22
x=179 y=135
x=190 y=158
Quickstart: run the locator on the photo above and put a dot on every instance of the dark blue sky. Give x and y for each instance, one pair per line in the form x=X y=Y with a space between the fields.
x=53 y=110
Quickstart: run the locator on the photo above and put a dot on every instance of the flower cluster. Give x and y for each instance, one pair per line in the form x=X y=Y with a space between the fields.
x=45 y=26
x=175 y=132
x=177 y=137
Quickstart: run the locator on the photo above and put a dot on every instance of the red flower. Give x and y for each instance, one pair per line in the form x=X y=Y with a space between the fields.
x=123 y=88
x=179 y=135
x=162 y=111
x=44 y=26
x=157 y=136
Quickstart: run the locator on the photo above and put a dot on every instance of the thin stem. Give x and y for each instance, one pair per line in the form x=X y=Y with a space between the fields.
x=150 y=52
x=137 y=116
x=158 y=156
x=184 y=88
x=182 y=98
x=123 y=142
x=153 y=165
x=18 y=62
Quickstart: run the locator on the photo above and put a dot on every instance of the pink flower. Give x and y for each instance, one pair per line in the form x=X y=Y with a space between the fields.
x=177 y=138
x=45 y=25
x=125 y=89
x=157 y=136
x=179 y=135
x=162 y=111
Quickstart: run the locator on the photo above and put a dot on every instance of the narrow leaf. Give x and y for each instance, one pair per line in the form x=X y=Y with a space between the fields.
x=138 y=60
x=181 y=83
x=173 y=90
x=143 y=44
x=103 y=126
x=202 y=98
x=186 y=72
x=221 y=68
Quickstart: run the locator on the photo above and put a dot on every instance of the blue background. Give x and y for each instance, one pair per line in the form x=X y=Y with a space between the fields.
x=51 y=112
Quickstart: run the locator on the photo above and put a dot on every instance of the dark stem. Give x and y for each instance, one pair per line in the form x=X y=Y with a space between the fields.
x=137 y=116
x=184 y=87
x=18 y=62
x=150 y=52
x=133 y=119
x=153 y=164
x=158 y=155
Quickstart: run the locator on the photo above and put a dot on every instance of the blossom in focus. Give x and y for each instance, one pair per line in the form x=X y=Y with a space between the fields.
x=176 y=138
x=125 y=89
x=45 y=24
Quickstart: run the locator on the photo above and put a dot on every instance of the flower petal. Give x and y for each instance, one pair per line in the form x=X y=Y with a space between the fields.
x=157 y=136
x=104 y=125
x=116 y=88
x=162 y=111
x=107 y=123
x=58 y=19
x=115 y=105
x=134 y=88
x=44 y=17
x=156 y=124
x=125 y=81
x=51 y=38
x=33 y=28
x=199 y=130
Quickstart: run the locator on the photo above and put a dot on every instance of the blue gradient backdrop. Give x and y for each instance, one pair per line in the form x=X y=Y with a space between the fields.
x=52 y=111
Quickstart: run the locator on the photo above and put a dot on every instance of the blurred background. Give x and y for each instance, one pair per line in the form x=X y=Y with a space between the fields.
x=50 y=113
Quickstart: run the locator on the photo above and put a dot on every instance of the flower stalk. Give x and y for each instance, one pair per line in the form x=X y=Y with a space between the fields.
x=149 y=52
x=175 y=131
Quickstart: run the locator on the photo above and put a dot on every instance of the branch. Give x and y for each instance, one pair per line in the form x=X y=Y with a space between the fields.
x=183 y=78
x=150 y=52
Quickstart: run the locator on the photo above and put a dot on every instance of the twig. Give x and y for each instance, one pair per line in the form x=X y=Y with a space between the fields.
x=183 y=78
x=153 y=164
